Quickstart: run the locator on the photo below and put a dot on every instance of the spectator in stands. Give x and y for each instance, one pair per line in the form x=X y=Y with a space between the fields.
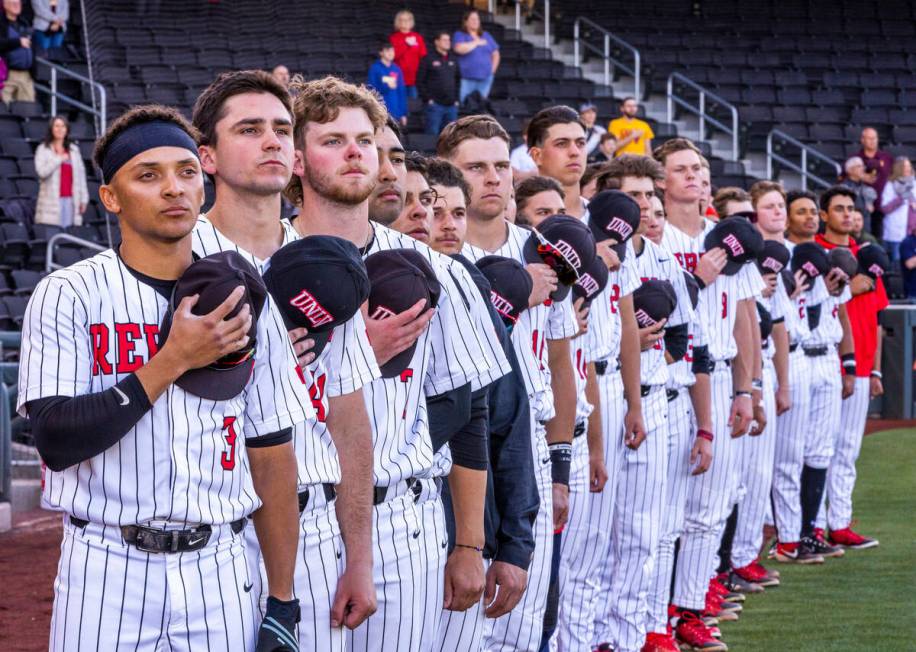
x=50 y=23
x=634 y=136
x=62 y=193
x=856 y=179
x=280 y=73
x=523 y=166
x=731 y=200
x=859 y=233
x=409 y=49
x=437 y=82
x=908 y=264
x=878 y=164
x=386 y=77
x=16 y=51
x=478 y=56
x=588 y=113
x=898 y=203
x=607 y=146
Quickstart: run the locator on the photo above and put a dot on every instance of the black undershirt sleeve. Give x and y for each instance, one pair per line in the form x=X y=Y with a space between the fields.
x=469 y=445
x=701 y=363
x=676 y=338
x=69 y=430
x=272 y=439
x=448 y=413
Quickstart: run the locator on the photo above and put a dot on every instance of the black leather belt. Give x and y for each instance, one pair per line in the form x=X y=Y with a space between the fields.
x=715 y=365
x=580 y=429
x=793 y=347
x=149 y=539
x=601 y=367
x=644 y=390
x=816 y=351
x=380 y=494
x=673 y=394
x=329 y=494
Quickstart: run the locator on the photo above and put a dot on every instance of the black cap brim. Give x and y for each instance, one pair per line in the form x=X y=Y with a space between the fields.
x=217 y=384
x=321 y=339
x=732 y=267
x=397 y=364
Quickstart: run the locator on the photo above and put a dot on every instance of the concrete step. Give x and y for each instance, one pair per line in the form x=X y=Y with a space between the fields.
x=26 y=462
x=25 y=495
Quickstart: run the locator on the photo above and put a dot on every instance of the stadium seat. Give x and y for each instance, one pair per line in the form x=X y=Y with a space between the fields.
x=14 y=244
x=24 y=281
x=15 y=306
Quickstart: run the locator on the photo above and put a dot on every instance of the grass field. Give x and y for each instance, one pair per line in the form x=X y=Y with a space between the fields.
x=864 y=601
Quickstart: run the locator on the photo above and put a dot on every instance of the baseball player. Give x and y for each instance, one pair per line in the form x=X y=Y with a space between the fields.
x=512 y=498
x=479 y=147
x=335 y=171
x=245 y=122
x=868 y=299
x=643 y=475
x=730 y=335
x=205 y=413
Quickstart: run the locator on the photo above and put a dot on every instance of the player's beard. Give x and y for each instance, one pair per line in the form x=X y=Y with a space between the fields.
x=323 y=184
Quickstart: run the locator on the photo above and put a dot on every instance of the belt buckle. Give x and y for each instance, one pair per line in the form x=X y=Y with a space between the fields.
x=147 y=540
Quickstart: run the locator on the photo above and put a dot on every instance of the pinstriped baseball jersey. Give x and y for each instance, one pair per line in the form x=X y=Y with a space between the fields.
x=797 y=322
x=534 y=327
x=719 y=300
x=780 y=307
x=653 y=263
x=829 y=330
x=91 y=324
x=448 y=355
x=345 y=365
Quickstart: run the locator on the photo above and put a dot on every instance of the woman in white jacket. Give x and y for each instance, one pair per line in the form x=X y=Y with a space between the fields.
x=63 y=194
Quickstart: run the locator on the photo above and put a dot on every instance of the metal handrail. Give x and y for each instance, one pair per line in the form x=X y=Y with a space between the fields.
x=605 y=53
x=700 y=109
x=50 y=265
x=99 y=114
x=802 y=169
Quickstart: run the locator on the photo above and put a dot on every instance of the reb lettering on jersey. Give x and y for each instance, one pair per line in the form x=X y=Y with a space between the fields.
x=687 y=260
x=313 y=311
x=615 y=297
x=126 y=356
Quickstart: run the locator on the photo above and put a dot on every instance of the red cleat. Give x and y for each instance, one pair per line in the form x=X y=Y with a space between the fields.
x=656 y=642
x=849 y=538
x=692 y=634
x=757 y=574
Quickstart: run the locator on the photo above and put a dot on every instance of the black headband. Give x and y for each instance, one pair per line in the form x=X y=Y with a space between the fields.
x=141 y=137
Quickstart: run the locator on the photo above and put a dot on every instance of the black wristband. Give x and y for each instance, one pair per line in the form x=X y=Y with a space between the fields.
x=560 y=462
x=849 y=362
x=700 y=281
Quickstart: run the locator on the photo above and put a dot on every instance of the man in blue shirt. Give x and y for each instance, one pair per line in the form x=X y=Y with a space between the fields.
x=386 y=77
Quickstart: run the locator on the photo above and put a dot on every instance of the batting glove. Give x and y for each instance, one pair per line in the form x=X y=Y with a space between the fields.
x=278 y=629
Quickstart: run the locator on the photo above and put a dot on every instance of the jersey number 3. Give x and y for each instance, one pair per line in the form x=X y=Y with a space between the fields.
x=227 y=459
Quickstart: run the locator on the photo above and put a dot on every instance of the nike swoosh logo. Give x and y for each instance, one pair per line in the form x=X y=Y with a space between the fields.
x=545 y=460
x=124 y=399
x=416 y=535
x=339 y=554
x=191 y=542
x=247 y=587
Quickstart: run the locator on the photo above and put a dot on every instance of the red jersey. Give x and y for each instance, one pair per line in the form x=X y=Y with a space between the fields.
x=409 y=48
x=863 y=316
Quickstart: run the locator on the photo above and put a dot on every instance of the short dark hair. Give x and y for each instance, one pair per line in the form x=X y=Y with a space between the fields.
x=835 y=191
x=440 y=172
x=384 y=44
x=794 y=195
x=440 y=33
x=416 y=162
x=592 y=170
x=627 y=99
x=544 y=119
x=392 y=124
x=606 y=136
x=629 y=165
x=210 y=106
x=135 y=116
x=470 y=126
x=534 y=185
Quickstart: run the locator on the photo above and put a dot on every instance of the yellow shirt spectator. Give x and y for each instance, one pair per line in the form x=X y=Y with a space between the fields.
x=624 y=129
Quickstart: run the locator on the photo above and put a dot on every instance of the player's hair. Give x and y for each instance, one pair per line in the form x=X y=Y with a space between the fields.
x=531 y=186
x=392 y=124
x=835 y=191
x=794 y=195
x=210 y=106
x=629 y=165
x=727 y=194
x=416 y=162
x=764 y=186
x=543 y=120
x=704 y=163
x=138 y=115
x=592 y=170
x=320 y=101
x=470 y=126
x=440 y=172
x=669 y=147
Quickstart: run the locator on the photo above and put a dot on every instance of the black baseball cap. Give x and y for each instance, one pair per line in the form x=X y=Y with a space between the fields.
x=613 y=214
x=510 y=286
x=788 y=280
x=766 y=321
x=592 y=281
x=873 y=261
x=843 y=259
x=213 y=278
x=566 y=245
x=318 y=283
x=398 y=279
x=653 y=301
x=740 y=240
x=773 y=257
x=693 y=288
x=811 y=259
